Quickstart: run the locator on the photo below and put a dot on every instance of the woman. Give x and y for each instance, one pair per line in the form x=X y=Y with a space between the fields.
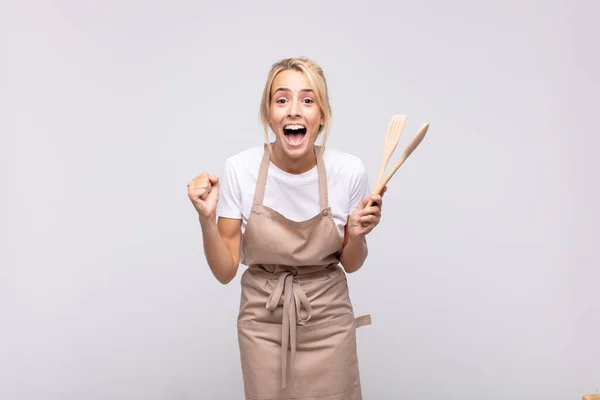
x=292 y=212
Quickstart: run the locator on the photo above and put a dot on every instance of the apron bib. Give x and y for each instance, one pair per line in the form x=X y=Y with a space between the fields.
x=296 y=325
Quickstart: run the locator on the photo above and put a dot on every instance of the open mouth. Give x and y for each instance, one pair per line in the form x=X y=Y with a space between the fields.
x=294 y=133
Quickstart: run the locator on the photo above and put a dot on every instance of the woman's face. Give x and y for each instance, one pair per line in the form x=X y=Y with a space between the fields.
x=295 y=114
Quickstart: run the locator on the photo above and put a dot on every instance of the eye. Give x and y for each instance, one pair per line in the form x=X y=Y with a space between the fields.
x=281 y=100
x=308 y=101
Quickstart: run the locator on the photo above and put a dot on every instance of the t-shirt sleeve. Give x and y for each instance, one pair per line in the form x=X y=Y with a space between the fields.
x=359 y=187
x=229 y=204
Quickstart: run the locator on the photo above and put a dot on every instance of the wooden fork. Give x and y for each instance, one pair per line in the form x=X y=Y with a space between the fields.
x=414 y=143
x=392 y=137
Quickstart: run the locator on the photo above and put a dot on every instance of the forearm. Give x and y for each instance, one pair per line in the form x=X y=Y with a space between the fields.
x=354 y=253
x=218 y=256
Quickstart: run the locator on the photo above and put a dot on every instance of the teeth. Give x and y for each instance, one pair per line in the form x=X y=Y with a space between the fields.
x=294 y=127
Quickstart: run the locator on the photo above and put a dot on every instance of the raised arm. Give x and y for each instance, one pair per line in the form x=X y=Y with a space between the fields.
x=360 y=223
x=361 y=220
x=221 y=240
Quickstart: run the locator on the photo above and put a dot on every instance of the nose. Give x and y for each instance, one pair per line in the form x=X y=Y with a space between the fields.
x=293 y=110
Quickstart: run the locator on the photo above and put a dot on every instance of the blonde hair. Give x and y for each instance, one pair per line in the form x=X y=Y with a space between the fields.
x=316 y=79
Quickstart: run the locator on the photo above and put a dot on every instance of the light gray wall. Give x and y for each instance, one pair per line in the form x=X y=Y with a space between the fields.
x=482 y=277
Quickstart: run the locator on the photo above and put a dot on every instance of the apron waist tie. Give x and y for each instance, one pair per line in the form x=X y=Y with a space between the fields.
x=289 y=291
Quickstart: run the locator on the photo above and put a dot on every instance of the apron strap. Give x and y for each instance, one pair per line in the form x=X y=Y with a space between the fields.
x=362 y=320
x=323 y=196
x=294 y=299
x=261 y=180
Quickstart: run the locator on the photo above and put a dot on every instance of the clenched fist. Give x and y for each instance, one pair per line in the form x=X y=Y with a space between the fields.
x=203 y=191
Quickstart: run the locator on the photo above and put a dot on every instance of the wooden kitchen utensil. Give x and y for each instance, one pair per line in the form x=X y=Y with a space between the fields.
x=392 y=137
x=414 y=143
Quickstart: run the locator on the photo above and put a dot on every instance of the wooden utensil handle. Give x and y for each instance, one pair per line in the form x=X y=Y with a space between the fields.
x=414 y=143
x=380 y=187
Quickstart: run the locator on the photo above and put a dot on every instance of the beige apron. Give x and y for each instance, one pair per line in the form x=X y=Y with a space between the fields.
x=296 y=325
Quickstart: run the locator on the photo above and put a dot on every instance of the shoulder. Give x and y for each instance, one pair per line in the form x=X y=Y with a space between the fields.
x=246 y=156
x=349 y=177
x=343 y=164
x=246 y=160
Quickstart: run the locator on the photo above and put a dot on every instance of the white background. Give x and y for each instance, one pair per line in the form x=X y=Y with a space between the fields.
x=482 y=277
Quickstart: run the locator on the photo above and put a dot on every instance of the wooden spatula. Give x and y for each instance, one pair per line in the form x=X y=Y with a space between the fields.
x=392 y=137
x=414 y=143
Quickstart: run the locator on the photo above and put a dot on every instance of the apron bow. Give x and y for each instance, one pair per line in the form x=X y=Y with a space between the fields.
x=289 y=291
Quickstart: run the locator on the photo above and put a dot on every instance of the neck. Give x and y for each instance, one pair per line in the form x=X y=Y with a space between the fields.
x=292 y=165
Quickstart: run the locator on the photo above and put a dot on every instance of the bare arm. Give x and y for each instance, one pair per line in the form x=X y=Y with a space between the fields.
x=354 y=252
x=360 y=222
x=222 y=242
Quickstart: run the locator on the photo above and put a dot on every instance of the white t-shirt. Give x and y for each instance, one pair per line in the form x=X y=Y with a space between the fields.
x=296 y=196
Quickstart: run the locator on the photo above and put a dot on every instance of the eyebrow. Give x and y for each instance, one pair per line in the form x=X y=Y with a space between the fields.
x=284 y=89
